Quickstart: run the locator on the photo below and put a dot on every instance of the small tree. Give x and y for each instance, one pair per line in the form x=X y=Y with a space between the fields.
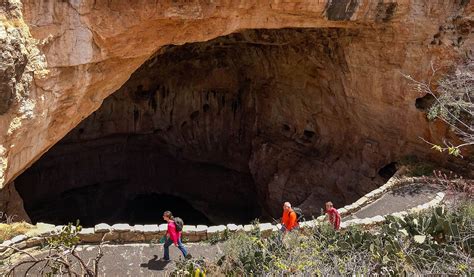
x=453 y=97
x=62 y=257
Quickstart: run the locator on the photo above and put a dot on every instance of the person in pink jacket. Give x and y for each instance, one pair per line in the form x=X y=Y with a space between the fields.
x=172 y=237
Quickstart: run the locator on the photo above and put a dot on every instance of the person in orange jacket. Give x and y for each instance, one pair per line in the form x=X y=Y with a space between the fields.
x=289 y=220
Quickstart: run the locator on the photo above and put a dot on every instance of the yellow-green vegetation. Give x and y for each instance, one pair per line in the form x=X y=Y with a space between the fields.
x=67 y=238
x=416 y=167
x=8 y=231
x=439 y=241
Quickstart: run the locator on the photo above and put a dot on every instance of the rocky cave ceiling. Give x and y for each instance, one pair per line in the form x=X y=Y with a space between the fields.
x=228 y=110
x=233 y=126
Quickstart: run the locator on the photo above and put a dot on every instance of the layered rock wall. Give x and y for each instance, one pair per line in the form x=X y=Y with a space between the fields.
x=353 y=79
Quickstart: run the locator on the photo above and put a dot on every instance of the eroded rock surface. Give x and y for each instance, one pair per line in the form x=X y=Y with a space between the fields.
x=306 y=114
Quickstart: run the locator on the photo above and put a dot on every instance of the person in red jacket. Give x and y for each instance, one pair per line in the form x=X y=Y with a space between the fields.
x=333 y=216
x=172 y=237
x=289 y=219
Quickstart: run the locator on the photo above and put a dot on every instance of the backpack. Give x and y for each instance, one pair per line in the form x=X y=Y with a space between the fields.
x=178 y=223
x=299 y=214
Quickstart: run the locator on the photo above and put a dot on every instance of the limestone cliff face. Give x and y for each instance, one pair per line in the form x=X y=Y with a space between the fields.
x=322 y=99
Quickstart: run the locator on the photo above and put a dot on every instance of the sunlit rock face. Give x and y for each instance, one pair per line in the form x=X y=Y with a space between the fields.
x=309 y=111
x=235 y=126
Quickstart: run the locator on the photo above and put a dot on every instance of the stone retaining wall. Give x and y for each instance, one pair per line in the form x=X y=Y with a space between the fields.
x=124 y=233
x=370 y=197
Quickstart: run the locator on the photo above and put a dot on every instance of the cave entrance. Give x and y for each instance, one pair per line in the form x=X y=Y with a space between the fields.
x=233 y=127
x=149 y=208
x=86 y=205
x=131 y=179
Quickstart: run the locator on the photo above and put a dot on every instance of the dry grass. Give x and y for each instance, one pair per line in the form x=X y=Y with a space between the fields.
x=8 y=231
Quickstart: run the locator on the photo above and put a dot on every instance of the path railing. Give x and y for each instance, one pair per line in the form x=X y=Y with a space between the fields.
x=125 y=233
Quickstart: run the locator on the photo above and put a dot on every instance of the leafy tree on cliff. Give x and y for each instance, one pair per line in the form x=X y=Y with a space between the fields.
x=453 y=96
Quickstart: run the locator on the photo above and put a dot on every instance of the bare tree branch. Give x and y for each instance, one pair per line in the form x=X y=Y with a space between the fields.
x=453 y=103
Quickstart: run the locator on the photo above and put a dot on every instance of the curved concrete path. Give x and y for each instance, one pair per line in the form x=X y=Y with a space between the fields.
x=143 y=259
x=398 y=200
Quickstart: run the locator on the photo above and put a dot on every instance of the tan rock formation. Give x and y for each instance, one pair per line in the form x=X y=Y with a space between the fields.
x=334 y=91
x=11 y=205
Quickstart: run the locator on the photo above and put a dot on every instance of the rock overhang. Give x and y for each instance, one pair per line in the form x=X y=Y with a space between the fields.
x=77 y=83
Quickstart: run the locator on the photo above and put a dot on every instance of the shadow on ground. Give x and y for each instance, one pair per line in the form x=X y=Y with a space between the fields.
x=155 y=264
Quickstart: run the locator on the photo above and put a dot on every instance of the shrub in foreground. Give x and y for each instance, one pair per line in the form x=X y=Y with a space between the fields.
x=440 y=241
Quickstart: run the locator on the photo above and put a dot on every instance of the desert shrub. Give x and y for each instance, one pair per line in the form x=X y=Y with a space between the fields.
x=453 y=94
x=9 y=230
x=192 y=267
x=60 y=259
x=436 y=242
x=417 y=167
x=456 y=186
x=219 y=237
x=440 y=241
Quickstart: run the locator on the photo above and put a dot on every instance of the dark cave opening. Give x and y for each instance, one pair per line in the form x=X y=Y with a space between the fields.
x=388 y=171
x=425 y=102
x=81 y=204
x=133 y=181
x=148 y=209
x=231 y=127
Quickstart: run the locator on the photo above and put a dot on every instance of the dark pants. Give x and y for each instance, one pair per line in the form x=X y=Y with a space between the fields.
x=283 y=228
x=283 y=232
x=169 y=242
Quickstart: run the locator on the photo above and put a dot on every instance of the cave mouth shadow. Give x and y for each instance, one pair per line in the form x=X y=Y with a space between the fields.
x=135 y=185
x=149 y=208
x=212 y=123
x=97 y=203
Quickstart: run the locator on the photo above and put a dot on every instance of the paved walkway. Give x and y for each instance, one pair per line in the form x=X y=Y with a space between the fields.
x=143 y=259
x=400 y=199
x=137 y=259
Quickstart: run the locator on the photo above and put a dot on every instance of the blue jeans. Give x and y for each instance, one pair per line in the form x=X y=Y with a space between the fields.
x=169 y=242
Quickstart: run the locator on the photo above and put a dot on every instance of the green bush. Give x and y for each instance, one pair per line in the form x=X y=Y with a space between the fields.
x=67 y=238
x=192 y=268
x=440 y=241
x=417 y=167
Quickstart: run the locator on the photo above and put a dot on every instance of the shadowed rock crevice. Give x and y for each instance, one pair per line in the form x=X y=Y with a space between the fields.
x=425 y=102
x=388 y=171
x=341 y=10
x=233 y=126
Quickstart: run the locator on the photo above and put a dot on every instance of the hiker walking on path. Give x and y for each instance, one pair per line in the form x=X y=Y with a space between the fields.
x=173 y=236
x=289 y=220
x=333 y=216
